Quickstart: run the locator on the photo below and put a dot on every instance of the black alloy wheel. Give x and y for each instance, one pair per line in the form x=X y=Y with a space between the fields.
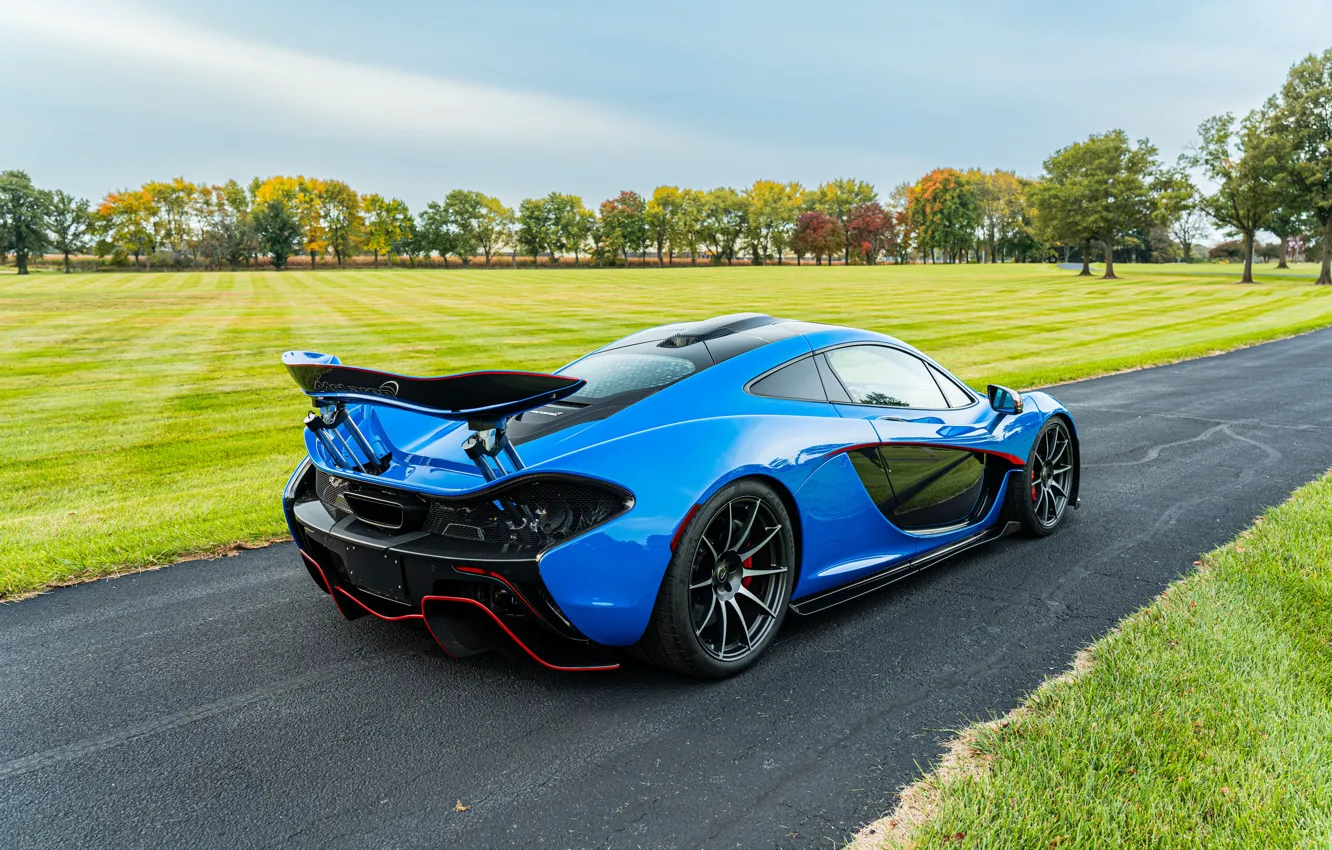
x=1041 y=501
x=726 y=590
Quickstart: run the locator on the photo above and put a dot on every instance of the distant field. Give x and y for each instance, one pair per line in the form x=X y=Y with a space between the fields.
x=146 y=416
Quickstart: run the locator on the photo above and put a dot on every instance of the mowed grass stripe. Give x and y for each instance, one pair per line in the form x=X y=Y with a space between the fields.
x=146 y=416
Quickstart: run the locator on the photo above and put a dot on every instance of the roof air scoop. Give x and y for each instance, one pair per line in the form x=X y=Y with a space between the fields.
x=715 y=328
x=484 y=400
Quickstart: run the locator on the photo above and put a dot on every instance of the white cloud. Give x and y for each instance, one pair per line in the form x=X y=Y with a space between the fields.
x=332 y=95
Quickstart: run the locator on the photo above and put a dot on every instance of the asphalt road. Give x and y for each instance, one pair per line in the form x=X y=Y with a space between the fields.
x=226 y=704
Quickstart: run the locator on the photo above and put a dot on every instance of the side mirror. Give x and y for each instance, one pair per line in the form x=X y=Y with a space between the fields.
x=1003 y=399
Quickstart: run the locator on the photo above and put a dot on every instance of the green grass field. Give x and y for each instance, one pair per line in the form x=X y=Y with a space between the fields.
x=146 y=416
x=1204 y=720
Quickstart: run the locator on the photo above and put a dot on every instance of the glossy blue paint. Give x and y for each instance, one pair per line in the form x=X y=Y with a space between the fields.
x=675 y=448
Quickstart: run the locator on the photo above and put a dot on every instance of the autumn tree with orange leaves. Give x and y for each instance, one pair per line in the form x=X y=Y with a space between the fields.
x=944 y=209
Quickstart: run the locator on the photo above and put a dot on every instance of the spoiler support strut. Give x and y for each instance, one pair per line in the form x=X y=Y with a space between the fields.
x=490 y=438
x=322 y=425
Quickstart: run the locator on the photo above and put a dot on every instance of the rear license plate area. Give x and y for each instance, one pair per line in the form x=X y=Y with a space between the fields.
x=375 y=571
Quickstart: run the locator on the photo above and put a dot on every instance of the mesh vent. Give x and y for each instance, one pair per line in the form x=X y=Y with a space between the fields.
x=330 y=491
x=535 y=513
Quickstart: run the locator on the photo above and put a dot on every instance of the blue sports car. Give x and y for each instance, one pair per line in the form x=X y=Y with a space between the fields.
x=674 y=493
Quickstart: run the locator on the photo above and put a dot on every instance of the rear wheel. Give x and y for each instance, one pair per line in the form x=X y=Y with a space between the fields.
x=726 y=590
x=1040 y=498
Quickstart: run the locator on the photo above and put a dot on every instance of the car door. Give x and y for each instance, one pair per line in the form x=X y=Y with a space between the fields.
x=912 y=404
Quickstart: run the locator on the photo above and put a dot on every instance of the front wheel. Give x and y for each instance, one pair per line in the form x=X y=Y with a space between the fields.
x=1040 y=497
x=726 y=589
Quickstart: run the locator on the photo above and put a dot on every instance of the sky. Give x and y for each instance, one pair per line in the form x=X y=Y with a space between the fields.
x=411 y=98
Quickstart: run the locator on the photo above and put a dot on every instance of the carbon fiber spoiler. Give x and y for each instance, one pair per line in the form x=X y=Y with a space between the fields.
x=484 y=400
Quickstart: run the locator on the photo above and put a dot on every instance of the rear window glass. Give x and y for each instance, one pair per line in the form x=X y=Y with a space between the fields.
x=798 y=380
x=633 y=369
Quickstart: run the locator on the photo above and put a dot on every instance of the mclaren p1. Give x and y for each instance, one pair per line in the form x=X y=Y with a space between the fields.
x=675 y=494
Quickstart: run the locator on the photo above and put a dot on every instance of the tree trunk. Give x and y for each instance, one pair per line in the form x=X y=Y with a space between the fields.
x=1086 y=259
x=1285 y=249
x=1325 y=275
x=67 y=270
x=21 y=260
x=1248 y=258
x=1109 y=261
x=376 y=263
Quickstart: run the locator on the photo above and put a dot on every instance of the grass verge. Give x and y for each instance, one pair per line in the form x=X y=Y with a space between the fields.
x=1203 y=720
x=144 y=417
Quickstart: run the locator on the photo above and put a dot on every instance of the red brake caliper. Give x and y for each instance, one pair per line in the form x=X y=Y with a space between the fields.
x=749 y=565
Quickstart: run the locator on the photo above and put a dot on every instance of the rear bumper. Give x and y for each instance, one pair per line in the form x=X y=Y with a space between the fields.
x=470 y=600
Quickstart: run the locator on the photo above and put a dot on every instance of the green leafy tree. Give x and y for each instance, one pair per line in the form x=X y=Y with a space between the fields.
x=227 y=232
x=463 y=209
x=838 y=198
x=278 y=230
x=404 y=231
x=571 y=223
x=784 y=219
x=536 y=231
x=623 y=225
x=1097 y=190
x=687 y=225
x=381 y=225
x=494 y=226
x=308 y=204
x=67 y=222
x=23 y=211
x=999 y=204
x=1301 y=117
x=725 y=219
x=1126 y=200
x=1241 y=163
x=434 y=233
x=173 y=201
x=660 y=217
x=409 y=238
x=770 y=218
x=340 y=210
x=1179 y=210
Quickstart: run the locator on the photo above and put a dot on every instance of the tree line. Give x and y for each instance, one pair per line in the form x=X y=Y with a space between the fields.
x=1269 y=172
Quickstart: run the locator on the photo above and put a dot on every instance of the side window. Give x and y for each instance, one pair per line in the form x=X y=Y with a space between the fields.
x=953 y=394
x=875 y=374
x=798 y=380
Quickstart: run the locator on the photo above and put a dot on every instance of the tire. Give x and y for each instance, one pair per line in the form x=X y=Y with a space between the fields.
x=722 y=601
x=1043 y=493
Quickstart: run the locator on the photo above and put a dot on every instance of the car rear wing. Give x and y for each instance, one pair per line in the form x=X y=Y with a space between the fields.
x=484 y=400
